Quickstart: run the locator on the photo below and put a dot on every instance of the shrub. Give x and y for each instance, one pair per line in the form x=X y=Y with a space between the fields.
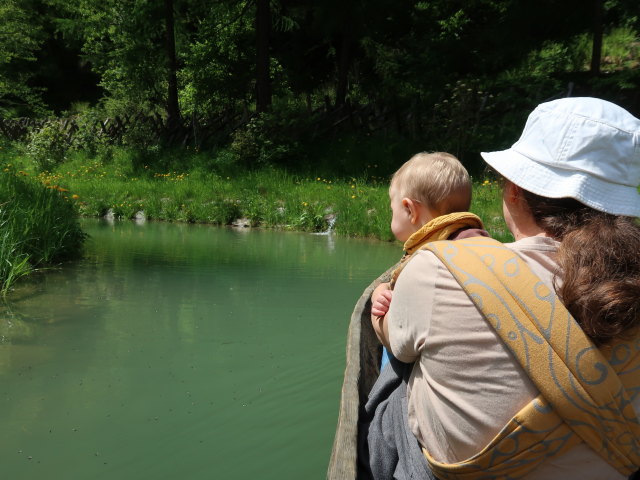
x=141 y=135
x=48 y=146
x=270 y=139
x=90 y=137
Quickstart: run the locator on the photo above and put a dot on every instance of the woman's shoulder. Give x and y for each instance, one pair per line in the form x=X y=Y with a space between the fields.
x=537 y=243
x=540 y=254
x=536 y=248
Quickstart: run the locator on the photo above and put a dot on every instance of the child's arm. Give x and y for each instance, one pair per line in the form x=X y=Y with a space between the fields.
x=380 y=301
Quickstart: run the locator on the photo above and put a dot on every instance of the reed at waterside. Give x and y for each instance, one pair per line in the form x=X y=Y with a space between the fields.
x=198 y=192
x=38 y=226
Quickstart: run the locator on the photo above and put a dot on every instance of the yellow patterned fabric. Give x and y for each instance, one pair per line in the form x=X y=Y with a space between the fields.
x=440 y=228
x=585 y=392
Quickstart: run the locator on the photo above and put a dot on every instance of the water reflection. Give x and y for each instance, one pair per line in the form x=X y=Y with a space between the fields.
x=181 y=350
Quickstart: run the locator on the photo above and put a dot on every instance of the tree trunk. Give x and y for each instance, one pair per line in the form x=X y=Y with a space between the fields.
x=263 y=31
x=596 y=52
x=173 y=109
x=344 y=62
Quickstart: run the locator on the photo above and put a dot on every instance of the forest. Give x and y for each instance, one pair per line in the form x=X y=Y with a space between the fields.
x=332 y=84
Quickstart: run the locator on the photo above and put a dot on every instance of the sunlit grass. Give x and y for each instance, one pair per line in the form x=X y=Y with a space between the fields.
x=38 y=226
x=487 y=204
x=270 y=198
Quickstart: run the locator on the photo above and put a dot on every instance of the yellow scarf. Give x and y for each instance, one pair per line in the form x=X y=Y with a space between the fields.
x=585 y=392
x=440 y=228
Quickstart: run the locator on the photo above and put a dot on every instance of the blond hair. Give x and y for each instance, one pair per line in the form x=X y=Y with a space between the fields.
x=436 y=179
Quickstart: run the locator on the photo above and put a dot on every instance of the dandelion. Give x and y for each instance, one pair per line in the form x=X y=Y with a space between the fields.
x=75 y=197
x=353 y=196
x=318 y=179
x=304 y=204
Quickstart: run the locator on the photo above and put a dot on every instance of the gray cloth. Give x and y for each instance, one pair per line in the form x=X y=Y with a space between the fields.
x=388 y=448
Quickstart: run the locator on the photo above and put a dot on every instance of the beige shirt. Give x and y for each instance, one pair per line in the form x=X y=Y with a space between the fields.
x=466 y=385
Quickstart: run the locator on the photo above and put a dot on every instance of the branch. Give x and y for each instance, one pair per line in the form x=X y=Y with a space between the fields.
x=238 y=17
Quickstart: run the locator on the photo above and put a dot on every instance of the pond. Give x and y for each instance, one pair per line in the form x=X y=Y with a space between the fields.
x=181 y=351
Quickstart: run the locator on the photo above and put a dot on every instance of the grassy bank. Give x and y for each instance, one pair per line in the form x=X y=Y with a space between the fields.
x=206 y=191
x=38 y=226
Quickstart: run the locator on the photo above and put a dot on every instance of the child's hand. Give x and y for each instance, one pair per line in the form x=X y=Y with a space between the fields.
x=380 y=301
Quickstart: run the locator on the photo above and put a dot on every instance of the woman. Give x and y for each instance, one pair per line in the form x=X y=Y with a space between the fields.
x=504 y=383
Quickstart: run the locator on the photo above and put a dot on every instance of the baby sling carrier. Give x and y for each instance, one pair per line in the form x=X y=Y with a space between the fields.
x=585 y=392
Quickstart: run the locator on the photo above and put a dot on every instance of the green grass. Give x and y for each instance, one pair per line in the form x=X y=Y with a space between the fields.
x=270 y=198
x=487 y=204
x=38 y=226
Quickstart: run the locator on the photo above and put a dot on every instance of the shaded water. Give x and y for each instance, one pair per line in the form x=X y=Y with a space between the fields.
x=177 y=351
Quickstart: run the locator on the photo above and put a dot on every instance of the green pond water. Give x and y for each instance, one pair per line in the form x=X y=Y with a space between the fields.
x=181 y=352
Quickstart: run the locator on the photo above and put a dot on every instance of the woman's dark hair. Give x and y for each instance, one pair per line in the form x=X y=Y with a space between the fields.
x=599 y=265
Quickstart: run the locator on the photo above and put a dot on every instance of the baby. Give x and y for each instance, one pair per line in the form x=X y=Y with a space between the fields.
x=430 y=195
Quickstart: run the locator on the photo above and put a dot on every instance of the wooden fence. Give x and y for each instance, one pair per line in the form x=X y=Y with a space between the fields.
x=194 y=132
x=198 y=132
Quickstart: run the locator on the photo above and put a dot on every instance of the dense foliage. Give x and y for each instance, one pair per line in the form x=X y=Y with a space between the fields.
x=282 y=77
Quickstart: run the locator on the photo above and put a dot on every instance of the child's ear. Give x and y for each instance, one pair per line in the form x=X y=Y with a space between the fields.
x=412 y=209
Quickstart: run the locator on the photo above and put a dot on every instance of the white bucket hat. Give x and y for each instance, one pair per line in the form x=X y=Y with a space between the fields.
x=583 y=148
